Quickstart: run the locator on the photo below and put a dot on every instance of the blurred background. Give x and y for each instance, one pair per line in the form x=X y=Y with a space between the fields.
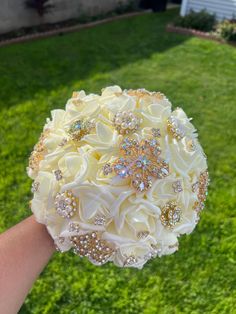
x=91 y=44
x=15 y=14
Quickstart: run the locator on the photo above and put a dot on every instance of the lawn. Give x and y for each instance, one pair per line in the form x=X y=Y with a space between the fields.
x=197 y=75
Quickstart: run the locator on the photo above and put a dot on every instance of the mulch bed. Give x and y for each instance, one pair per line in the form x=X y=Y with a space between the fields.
x=68 y=29
x=187 y=31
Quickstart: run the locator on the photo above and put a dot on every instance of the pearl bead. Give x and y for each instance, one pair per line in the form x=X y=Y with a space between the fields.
x=124 y=125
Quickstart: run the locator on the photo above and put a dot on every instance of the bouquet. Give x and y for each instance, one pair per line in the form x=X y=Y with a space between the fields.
x=118 y=176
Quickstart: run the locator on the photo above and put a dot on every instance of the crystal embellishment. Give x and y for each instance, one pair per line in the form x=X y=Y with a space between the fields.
x=142 y=92
x=170 y=214
x=191 y=145
x=74 y=227
x=39 y=151
x=195 y=187
x=156 y=132
x=58 y=174
x=177 y=186
x=156 y=249
x=35 y=187
x=142 y=234
x=100 y=220
x=66 y=204
x=130 y=260
x=173 y=246
x=201 y=189
x=175 y=128
x=107 y=169
x=91 y=245
x=80 y=128
x=141 y=162
x=126 y=122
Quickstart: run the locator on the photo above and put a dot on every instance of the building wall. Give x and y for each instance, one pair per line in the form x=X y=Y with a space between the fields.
x=223 y=9
x=14 y=14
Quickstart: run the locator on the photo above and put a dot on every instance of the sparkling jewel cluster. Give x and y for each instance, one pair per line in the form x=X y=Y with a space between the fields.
x=175 y=129
x=139 y=161
x=90 y=245
x=201 y=188
x=126 y=122
x=170 y=214
x=38 y=152
x=65 y=204
x=118 y=176
x=80 y=128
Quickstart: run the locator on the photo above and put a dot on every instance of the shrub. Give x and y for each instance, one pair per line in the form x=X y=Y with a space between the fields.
x=41 y=6
x=227 y=30
x=125 y=7
x=202 y=21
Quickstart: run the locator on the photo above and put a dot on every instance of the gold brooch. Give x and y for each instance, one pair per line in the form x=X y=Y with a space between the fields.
x=140 y=161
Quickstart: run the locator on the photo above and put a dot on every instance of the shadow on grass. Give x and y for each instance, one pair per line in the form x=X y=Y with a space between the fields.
x=48 y=64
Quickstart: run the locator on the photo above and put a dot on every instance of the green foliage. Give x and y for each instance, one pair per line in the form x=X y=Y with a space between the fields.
x=227 y=30
x=195 y=74
x=202 y=21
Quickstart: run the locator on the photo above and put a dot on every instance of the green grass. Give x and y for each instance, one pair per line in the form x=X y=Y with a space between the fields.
x=197 y=75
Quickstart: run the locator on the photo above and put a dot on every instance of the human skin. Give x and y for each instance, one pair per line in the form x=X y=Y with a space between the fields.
x=25 y=250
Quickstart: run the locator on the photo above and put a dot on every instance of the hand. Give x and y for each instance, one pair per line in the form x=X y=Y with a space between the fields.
x=25 y=249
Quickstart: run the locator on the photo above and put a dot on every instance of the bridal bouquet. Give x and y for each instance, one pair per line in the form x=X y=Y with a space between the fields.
x=118 y=176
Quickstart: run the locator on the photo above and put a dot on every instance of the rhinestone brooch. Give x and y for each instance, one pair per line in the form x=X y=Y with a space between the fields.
x=80 y=128
x=126 y=122
x=141 y=162
x=66 y=204
x=170 y=214
x=142 y=92
x=175 y=128
x=92 y=246
x=38 y=153
x=201 y=188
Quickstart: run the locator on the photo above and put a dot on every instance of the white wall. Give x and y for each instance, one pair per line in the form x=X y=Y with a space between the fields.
x=14 y=14
x=223 y=9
